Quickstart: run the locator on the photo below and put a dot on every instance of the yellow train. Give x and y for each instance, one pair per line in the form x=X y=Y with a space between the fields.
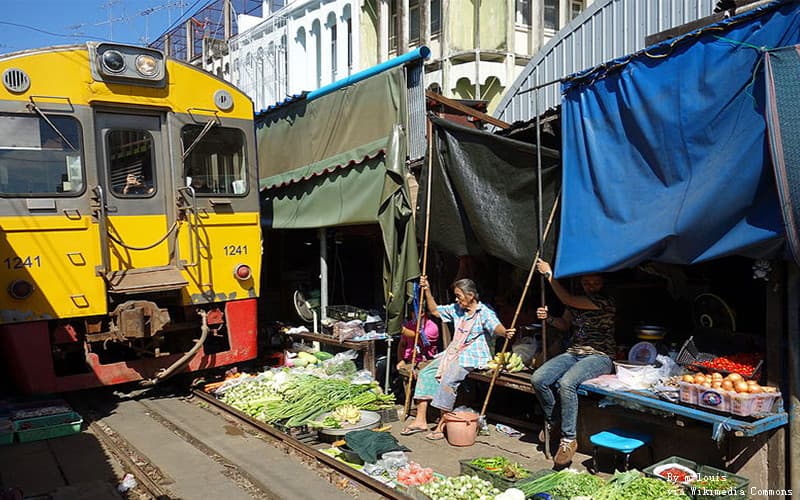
x=130 y=240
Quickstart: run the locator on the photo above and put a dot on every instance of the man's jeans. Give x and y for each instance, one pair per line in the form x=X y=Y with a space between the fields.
x=569 y=370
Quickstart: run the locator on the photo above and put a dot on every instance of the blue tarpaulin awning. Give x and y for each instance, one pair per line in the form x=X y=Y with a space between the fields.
x=667 y=158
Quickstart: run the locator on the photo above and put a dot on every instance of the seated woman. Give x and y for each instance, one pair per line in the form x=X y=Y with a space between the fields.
x=426 y=343
x=474 y=326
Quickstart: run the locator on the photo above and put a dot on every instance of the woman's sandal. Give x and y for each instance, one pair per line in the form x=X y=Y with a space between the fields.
x=411 y=430
x=435 y=436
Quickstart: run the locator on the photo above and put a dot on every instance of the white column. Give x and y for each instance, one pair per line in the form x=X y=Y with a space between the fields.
x=384 y=17
x=563 y=13
x=341 y=36
x=355 y=15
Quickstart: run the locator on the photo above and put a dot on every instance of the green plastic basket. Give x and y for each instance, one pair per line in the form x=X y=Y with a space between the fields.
x=6 y=437
x=48 y=427
x=737 y=492
x=502 y=483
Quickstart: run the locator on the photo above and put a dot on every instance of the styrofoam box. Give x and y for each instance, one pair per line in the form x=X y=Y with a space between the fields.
x=715 y=399
x=688 y=393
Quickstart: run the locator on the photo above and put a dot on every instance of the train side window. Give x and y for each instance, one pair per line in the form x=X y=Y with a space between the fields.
x=216 y=165
x=40 y=159
x=131 y=163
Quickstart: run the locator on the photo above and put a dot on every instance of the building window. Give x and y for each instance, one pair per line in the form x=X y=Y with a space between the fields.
x=551 y=14
x=436 y=17
x=576 y=7
x=414 y=27
x=413 y=21
x=349 y=46
x=523 y=12
x=334 y=45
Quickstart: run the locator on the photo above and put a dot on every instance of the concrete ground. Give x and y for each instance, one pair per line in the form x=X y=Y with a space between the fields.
x=444 y=458
x=201 y=454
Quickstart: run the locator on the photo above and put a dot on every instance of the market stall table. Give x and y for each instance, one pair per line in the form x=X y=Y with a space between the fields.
x=367 y=346
x=720 y=423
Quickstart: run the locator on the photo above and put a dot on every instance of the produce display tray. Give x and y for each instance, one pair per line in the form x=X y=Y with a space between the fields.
x=691 y=357
x=729 y=402
x=47 y=427
x=498 y=481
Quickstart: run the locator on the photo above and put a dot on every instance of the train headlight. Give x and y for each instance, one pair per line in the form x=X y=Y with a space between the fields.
x=146 y=65
x=20 y=289
x=242 y=272
x=113 y=61
x=127 y=64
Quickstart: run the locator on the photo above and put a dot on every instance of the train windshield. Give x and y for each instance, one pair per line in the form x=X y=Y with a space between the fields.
x=35 y=159
x=216 y=165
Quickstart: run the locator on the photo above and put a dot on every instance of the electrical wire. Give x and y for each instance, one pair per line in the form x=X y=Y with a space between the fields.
x=33 y=28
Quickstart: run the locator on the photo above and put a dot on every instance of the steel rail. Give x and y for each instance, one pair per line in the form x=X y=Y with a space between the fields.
x=143 y=480
x=351 y=473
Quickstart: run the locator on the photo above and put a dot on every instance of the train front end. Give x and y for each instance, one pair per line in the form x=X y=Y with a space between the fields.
x=130 y=241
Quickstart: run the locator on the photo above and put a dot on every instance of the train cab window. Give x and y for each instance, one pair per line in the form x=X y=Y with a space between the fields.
x=131 y=163
x=38 y=158
x=216 y=164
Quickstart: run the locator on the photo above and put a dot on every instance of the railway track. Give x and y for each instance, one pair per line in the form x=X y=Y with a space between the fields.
x=163 y=414
x=361 y=479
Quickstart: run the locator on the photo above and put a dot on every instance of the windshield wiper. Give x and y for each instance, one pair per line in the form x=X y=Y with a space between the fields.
x=206 y=130
x=33 y=107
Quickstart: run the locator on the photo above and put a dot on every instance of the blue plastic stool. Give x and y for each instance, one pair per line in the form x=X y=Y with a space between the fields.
x=621 y=441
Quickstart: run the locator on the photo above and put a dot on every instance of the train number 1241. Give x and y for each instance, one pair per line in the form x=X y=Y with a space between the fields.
x=23 y=262
x=235 y=249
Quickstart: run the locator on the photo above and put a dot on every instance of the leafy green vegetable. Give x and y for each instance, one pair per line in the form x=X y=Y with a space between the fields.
x=633 y=486
x=460 y=488
x=714 y=483
x=501 y=466
x=577 y=484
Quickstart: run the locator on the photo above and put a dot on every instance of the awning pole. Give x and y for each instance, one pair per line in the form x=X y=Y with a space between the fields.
x=429 y=131
x=497 y=369
x=542 y=298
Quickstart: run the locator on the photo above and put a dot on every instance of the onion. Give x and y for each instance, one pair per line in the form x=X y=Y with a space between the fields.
x=735 y=377
x=688 y=378
x=716 y=384
x=716 y=376
x=741 y=387
x=727 y=385
x=755 y=389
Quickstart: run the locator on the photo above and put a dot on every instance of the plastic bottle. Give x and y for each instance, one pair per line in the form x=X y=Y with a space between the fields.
x=128 y=482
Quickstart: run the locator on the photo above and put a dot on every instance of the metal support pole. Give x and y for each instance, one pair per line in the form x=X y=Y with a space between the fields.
x=323 y=272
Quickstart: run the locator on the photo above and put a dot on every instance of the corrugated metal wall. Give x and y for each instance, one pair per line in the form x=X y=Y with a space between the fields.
x=606 y=30
x=416 y=110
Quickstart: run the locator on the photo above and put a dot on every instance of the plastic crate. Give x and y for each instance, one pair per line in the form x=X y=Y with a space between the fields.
x=498 y=481
x=689 y=354
x=689 y=464
x=48 y=427
x=6 y=437
x=737 y=492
